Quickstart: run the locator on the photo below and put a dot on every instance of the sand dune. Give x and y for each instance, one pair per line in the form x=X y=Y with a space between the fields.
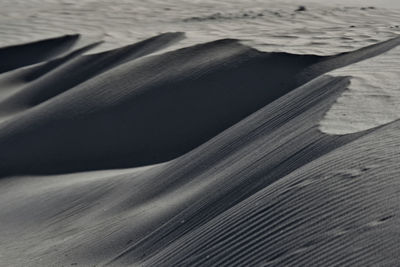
x=40 y=83
x=160 y=107
x=233 y=168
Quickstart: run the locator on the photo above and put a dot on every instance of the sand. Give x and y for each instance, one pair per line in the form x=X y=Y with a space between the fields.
x=242 y=135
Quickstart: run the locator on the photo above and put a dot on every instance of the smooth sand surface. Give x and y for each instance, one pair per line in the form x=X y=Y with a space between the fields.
x=190 y=148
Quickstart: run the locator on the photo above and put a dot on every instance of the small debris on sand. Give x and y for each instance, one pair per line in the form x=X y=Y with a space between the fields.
x=301 y=8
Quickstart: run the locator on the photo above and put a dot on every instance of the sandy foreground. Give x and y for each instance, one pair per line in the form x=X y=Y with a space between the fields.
x=181 y=133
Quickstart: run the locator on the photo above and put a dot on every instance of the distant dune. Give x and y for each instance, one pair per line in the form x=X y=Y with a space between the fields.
x=208 y=155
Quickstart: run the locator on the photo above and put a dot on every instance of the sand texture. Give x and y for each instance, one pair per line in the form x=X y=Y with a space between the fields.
x=277 y=147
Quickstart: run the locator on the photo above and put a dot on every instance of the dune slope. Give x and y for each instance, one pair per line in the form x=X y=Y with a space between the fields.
x=341 y=209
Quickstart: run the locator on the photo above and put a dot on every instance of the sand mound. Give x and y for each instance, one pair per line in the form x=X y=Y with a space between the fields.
x=245 y=176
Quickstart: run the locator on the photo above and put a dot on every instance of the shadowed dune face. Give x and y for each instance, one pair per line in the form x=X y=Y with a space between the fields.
x=250 y=179
x=160 y=107
x=14 y=57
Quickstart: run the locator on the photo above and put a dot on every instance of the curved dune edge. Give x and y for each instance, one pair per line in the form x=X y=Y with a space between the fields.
x=372 y=99
x=269 y=189
x=160 y=107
